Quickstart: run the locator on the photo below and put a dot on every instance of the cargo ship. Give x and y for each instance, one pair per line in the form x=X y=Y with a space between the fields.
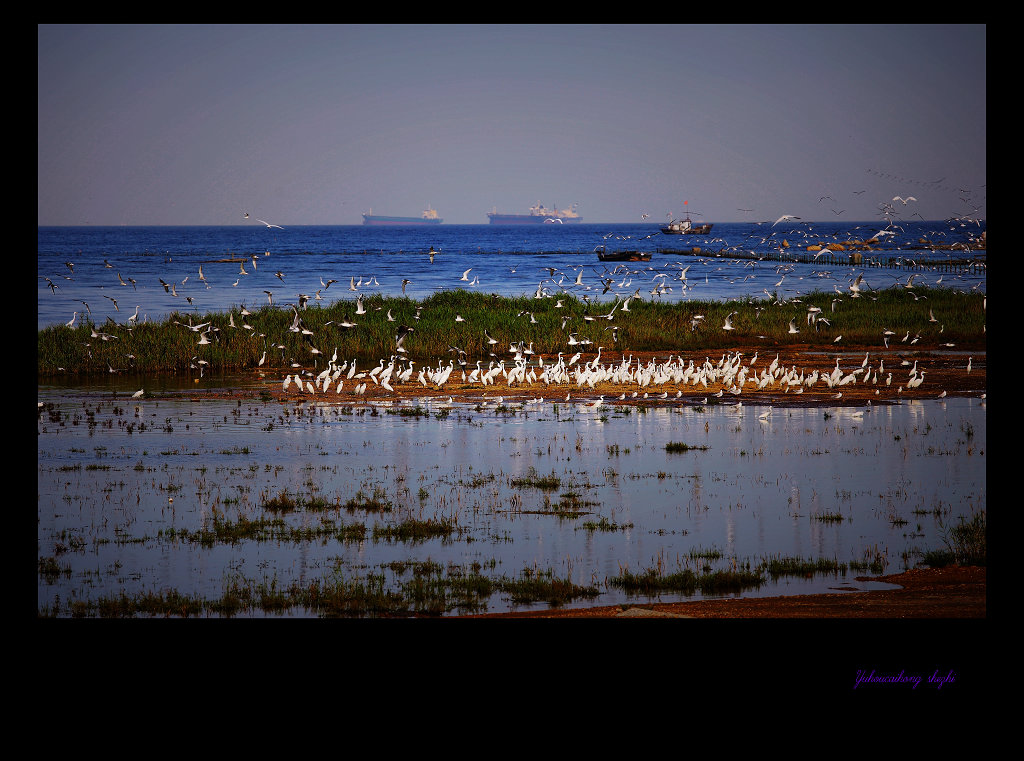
x=429 y=217
x=538 y=215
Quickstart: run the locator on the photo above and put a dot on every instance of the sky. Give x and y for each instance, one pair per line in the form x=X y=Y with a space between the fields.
x=318 y=124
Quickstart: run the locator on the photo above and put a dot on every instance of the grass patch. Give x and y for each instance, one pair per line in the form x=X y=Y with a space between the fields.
x=654 y=581
x=534 y=481
x=828 y=517
x=778 y=566
x=534 y=585
x=678 y=446
x=966 y=543
x=169 y=346
x=604 y=525
x=377 y=503
x=429 y=590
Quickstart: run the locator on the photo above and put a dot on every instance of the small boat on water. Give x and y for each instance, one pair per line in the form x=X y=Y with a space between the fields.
x=624 y=256
x=686 y=227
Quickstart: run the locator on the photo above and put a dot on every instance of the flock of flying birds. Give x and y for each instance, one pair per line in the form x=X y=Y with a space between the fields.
x=515 y=363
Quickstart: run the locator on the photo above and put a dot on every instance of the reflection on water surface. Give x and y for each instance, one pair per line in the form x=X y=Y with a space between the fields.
x=127 y=489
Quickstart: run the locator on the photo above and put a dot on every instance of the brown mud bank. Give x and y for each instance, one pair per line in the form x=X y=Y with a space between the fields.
x=946 y=375
x=956 y=592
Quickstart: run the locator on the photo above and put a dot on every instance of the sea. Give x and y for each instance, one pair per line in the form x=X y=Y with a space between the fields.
x=114 y=272
x=118 y=475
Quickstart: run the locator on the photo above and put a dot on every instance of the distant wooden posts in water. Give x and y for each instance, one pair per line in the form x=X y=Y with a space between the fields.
x=830 y=258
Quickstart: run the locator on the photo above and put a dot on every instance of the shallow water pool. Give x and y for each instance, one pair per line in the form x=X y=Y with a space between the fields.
x=126 y=488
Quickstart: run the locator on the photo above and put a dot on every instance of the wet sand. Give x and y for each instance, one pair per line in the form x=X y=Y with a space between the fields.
x=945 y=371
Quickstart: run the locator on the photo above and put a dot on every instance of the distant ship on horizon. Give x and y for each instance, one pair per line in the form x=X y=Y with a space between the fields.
x=428 y=217
x=538 y=215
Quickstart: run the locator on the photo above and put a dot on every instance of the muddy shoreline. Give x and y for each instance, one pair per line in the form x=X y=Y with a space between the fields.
x=955 y=592
x=946 y=375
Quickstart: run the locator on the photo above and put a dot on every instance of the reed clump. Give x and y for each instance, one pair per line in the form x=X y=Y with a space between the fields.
x=966 y=543
x=656 y=580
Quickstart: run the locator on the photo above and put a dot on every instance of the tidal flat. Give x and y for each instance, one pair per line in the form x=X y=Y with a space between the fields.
x=170 y=505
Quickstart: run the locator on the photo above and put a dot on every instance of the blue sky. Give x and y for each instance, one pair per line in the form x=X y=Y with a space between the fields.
x=297 y=125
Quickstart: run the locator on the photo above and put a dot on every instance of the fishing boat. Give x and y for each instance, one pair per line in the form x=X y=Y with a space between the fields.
x=428 y=217
x=623 y=256
x=686 y=227
x=538 y=215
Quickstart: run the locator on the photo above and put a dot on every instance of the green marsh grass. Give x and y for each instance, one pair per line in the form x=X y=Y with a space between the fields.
x=654 y=581
x=678 y=446
x=966 y=543
x=414 y=530
x=776 y=566
x=603 y=524
x=169 y=346
x=430 y=591
x=535 y=585
x=534 y=481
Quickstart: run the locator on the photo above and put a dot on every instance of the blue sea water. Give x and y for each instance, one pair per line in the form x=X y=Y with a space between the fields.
x=896 y=473
x=86 y=265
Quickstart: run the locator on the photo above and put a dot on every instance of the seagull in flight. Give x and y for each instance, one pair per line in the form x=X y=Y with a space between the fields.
x=246 y=215
x=782 y=218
